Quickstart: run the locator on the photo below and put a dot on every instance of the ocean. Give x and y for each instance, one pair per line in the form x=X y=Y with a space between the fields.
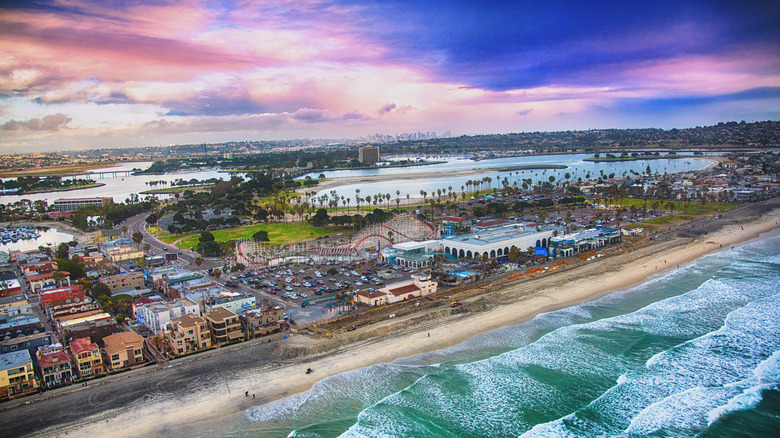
x=692 y=352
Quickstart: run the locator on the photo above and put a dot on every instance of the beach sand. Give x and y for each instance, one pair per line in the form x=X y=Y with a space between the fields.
x=155 y=403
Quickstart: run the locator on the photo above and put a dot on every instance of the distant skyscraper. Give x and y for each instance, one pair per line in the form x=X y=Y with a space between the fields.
x=368 y=154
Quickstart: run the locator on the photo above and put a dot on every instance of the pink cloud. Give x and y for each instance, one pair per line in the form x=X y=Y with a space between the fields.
x=52 y=122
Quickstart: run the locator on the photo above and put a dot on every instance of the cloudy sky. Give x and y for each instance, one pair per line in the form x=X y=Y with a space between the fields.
x=77 y=74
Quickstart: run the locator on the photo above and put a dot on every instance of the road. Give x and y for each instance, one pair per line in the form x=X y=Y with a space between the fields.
x=187 y=257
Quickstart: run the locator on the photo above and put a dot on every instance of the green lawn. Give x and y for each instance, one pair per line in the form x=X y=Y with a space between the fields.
x=279 y=234
x=692 y=208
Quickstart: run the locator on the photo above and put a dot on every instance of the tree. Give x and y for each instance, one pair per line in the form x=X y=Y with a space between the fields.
x=151 y=219
x=62 y=251
x=73 y=266
x=138 y=237
x=198 y=261
x=206 y=236
x=99 y=290
x=260 y=236
x=59 y=277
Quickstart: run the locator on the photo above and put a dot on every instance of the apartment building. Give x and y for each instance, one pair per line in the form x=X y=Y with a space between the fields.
x=224 y=325
x=188 y=333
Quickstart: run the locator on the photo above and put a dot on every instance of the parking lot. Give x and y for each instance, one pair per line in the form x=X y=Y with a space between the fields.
x=314 y=292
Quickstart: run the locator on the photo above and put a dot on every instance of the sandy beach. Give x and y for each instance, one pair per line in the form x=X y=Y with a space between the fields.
x=207 y=392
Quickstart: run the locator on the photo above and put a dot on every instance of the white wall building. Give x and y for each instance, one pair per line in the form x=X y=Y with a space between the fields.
x=156 y=316
x=498 y=241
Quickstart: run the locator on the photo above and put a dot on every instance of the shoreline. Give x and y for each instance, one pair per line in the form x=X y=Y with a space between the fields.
x=346 y=180
x=212 y=408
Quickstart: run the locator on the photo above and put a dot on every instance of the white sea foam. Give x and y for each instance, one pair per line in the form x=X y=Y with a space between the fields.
x=704 y=375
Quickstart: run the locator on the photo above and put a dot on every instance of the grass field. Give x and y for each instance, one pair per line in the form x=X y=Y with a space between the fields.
x=279 y=234
x=155 y=231
x=690 y=208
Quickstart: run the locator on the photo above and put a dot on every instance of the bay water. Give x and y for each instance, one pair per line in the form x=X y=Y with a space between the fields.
x=692 y=352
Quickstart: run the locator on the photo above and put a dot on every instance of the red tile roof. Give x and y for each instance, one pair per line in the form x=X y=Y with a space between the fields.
x=82 y=344
x=47 y=360
x=370 y=294
x=403 y=290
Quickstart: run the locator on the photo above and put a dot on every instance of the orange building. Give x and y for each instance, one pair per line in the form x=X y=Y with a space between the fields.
x=188 y=333
x=123 y=349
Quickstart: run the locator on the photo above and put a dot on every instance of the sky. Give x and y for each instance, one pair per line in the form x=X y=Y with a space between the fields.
x=78 y=74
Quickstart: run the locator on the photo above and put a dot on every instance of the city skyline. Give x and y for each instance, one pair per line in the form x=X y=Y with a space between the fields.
x=80 y=75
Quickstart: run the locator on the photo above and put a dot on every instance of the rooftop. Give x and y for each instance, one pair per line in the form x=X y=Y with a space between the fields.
x=14 y=359
x=122 y=340
x=219 y=314
x=499 y=234
x=82 y=344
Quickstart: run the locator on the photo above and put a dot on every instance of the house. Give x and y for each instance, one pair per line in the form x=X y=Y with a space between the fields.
x=188 y=333
x=14 y=306
x=123 y=349
x=17 y=377
x=28 y=337
x=54 y=365
x=87 y=359
x=224 y=325
x=11 y=286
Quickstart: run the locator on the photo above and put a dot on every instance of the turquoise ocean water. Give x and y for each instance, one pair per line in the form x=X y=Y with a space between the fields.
x=694 y=352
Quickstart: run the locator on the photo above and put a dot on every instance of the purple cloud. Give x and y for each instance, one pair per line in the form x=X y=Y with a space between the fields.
x=52 y=122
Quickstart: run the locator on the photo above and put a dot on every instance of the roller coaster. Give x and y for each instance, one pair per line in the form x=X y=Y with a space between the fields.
x=402 y=228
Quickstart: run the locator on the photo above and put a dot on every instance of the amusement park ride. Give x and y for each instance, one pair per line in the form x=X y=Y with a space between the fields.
x=402 y=228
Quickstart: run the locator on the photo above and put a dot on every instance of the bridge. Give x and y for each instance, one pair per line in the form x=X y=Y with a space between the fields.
x=101 y=175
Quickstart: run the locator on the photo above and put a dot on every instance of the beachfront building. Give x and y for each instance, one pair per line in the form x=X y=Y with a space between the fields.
x=17 y=377
x=188 y=333
x=571 y=244
x=224 y=325
x=262 y=321
x=54 y=365
x=372 y=297
x=73 y=204
x=419 y=285
x=123 y=349
x=156 y=315
x=495 y=242
x=86 y=358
